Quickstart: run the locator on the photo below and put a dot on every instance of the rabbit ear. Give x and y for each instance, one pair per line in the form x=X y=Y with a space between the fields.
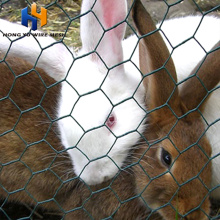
x=100 y=16
x=154 y=55
x=206 y=78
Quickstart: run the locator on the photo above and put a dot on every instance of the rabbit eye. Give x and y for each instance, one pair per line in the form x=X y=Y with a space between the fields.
x=166 y=158
x=111 y=121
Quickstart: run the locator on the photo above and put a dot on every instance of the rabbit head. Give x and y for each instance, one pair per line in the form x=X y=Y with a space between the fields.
x=101 y=104
x=173 y=171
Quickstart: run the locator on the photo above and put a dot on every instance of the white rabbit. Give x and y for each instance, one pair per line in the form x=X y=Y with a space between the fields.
x=109 y=103
x=200 y=34
x=97 y=117
x=94 y=109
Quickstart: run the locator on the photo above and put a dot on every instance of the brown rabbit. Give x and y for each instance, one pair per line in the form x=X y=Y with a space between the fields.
x=37 y=170
x=173 y=173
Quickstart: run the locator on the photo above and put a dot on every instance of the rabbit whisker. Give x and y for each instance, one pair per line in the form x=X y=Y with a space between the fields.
x=143 y=156
x=126 y=171
x=48 y=156
x=60 y=164
x=142 y=161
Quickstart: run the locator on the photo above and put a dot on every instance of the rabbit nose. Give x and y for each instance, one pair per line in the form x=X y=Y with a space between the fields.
x=105 y=178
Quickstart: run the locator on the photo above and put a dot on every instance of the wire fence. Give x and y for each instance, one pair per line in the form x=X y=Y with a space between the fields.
x=164 y=174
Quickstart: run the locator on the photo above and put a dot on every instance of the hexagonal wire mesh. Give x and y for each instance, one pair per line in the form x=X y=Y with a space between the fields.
x=36 y=169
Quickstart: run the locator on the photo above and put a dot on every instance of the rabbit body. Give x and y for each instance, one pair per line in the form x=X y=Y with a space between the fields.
x=75 y=127
x=211 y=114
x=186 y=55
x=53 y=59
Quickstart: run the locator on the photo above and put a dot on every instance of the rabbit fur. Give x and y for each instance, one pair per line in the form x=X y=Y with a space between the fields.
x=88 y=126
x=57 y=61
x=165 y=136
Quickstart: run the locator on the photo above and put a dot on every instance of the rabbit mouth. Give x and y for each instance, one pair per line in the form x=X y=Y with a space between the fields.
x=96 y=172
